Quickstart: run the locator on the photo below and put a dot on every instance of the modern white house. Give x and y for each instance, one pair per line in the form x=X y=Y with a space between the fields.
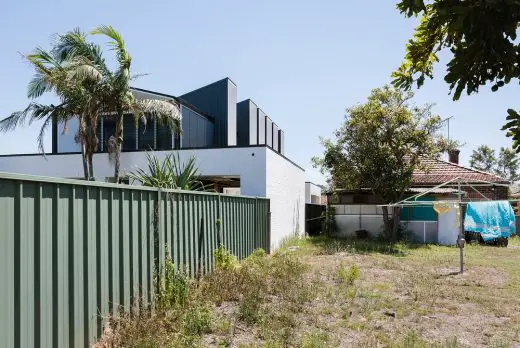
x=312 y=193
x=237 y=147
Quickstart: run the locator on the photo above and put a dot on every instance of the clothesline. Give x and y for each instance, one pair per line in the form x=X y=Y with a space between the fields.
x=431 y=203
x=458 y=182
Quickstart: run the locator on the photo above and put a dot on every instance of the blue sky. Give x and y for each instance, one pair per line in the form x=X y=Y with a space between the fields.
x=302 y=62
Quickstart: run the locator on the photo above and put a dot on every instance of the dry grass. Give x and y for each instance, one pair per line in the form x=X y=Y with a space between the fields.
x=344 y=293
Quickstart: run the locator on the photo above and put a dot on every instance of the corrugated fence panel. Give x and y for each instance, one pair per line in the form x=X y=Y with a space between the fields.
x=72 y=252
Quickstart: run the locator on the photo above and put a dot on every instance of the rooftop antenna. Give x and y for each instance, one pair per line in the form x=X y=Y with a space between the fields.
x=447 y=120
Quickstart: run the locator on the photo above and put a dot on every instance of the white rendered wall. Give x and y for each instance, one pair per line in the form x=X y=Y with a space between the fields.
x=286 y=189
x=311 y=190
x=248 y=163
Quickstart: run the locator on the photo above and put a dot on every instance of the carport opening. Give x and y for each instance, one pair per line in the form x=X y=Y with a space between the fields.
x=227 y=184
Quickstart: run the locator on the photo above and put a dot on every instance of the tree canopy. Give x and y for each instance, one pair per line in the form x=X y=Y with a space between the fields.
x=76 y=71
x=482 y=38
x=483 y=158
x=507 y=164
x=379 y=145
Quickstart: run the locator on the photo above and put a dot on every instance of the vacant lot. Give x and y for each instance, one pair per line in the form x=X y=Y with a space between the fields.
x=325 y=293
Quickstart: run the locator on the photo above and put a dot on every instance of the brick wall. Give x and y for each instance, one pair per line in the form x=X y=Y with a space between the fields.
x=493 y=193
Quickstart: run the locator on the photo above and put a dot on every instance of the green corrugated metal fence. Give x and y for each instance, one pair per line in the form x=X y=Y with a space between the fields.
x=72 y=251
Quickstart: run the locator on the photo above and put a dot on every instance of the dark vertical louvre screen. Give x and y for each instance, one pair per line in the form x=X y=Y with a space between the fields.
x=164 y=138
x=146 y=135
x=129 y=133
x=109 y=129
x=99 y=134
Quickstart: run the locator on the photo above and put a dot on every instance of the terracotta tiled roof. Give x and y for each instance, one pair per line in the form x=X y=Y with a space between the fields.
x=440 y=171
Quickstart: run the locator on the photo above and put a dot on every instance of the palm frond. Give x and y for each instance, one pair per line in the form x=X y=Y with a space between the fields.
x=41 y=135
x=38 y=85
x=69 y=44
x=159 y=108
x=110 y=32
x=18 y=118
x=166 y=112
x=82 y=69
x=74 y=44
x=43 y=60
x=136 y=76
x=117 y=43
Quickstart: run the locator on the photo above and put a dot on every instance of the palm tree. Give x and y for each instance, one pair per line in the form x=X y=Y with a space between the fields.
x=114 y=87
x=65 y=76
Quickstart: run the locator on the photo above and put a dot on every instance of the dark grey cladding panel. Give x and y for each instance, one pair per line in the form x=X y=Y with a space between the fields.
x=275 y=137
x=218 y=100
x=261 y=127
x=253 y=124
x=197 y=131
x=247 y=124
x=243 y=123
x=281 y=139
x=269 y=131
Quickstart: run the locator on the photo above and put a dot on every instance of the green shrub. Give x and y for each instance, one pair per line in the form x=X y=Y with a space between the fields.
x=257 y=253
x=348 y=276
x=172 y=286
x=223 y=258
x=278 y=326
x=315 y=339
x=197 y=320
x=249 y=307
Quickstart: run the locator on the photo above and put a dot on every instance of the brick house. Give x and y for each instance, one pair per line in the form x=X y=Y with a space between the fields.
x=440 y=171
x=359 y=210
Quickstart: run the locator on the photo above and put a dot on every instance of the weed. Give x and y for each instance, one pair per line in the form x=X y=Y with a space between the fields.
x=278 y=326
x=412 y=340
x=171 y=288
x=451 y=343
x=257 y=253
x=500 y=343
x=307 y=298
x=249 y=308
x=293 y=240
x=224 y=259
x=315 y=339
x=197 y=320
x=348 y=276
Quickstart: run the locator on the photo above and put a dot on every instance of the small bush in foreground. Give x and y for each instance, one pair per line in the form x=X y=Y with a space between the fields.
x=315 y=339
x=224 y=259
x=348 y=276
x=197 y=320
x=249 y=307
x=171 y=288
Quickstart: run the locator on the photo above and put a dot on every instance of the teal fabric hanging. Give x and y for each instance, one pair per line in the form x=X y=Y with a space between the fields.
x=492 y=220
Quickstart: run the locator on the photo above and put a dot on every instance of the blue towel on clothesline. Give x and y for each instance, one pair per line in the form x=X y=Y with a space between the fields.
x=495 y=219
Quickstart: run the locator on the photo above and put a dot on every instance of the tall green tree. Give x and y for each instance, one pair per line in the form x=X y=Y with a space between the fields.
x=379 y=145
x=113 y=86
x=483 y=158
x=482 y=39
x=65 y=77
x=508 y=165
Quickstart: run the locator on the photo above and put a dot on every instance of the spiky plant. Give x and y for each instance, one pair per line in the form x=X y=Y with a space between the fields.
x=170 y=173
